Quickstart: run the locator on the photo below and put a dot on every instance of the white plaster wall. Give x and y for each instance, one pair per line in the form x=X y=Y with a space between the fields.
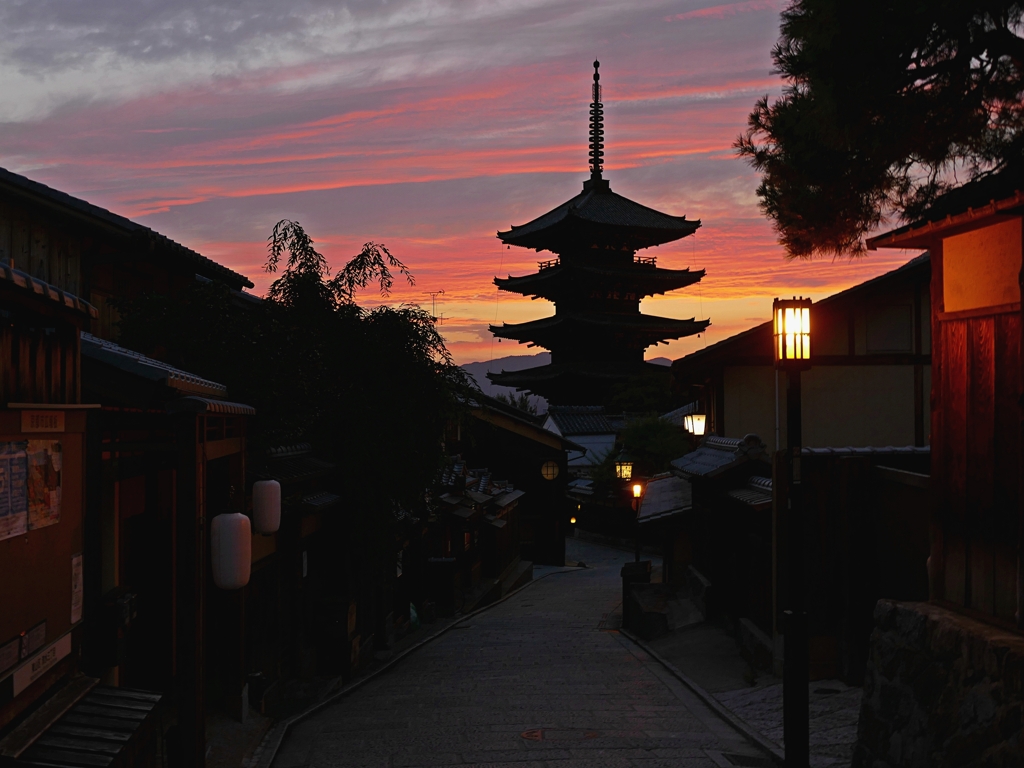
x=857 y=405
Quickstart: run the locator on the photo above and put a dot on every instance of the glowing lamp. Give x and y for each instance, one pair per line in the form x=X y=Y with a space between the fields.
x=637 y=490
x=688 y=423
x=266 y=506
x=624 y=466
x=572 y=521
x=231 y=550
x=698 y=423
x=791 y=329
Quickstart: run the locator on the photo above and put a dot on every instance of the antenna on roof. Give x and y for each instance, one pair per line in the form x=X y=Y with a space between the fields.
x=596 y=128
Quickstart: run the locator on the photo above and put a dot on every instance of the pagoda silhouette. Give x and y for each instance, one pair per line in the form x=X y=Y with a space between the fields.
x=597 y=335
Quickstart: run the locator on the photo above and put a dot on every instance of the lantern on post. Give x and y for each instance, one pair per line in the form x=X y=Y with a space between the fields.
x=266 y=506
x=231 y=550
x=638 y=492
x=688 y=422
x=698 y=423
x=624 y=465
x=791 y=327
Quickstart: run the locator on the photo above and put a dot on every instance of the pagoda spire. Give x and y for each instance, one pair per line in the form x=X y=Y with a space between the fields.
x=596 y=128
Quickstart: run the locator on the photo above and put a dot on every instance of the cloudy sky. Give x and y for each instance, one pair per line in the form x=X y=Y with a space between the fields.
x=426 y=125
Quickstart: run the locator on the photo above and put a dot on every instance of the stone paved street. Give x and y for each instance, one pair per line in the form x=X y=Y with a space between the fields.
x=537 y=680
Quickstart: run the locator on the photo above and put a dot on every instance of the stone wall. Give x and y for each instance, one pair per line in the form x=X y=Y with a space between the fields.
x=941 y=690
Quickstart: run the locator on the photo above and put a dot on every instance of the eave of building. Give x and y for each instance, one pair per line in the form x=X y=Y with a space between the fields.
x=30 y=285
x=598 y=217
x=752 y=346
x=649 y=280
x=485 y=409
x=100 y=218
x=925 y=234
x=644 y=326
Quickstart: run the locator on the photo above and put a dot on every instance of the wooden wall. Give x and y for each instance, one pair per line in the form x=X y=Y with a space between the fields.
x=976 y=454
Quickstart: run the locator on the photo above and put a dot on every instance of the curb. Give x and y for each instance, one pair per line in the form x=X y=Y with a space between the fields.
x=266 y=752
x=745 y=730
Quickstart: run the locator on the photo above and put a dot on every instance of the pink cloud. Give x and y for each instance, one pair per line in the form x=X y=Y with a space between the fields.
x=728 y=9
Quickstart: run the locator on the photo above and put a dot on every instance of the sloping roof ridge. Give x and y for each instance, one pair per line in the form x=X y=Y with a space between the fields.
x=174 y=375
x=914 y=262
x=42 y=288
x=576 y=409
x=922 y=226
x=111 y=218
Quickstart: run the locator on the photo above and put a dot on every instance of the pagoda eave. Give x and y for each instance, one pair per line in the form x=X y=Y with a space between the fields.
x=573 y=234
x=576 y=323
x=642 y=280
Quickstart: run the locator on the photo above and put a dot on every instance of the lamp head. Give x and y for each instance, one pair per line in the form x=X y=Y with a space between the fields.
x=791 y=334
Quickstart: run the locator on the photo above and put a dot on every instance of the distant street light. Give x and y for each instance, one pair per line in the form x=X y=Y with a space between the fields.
x=791 y=321
x=624 y=466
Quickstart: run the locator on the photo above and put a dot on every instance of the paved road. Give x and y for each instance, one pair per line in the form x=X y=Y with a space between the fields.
x=535 y=681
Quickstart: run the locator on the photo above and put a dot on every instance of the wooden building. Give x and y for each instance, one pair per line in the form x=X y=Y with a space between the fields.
x=970 y=631
x=871 y=377
x=597 y=335
x=514 y=445
x=88 y=251
x=162 y=449
x=51 y=713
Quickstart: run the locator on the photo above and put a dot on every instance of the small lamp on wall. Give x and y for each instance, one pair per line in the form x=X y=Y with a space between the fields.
x=698 y=423
x=231 y=550
x=266 y=506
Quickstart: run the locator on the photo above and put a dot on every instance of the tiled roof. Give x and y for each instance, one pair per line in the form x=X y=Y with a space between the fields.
x=580 y=419
x=125 y=226
x=195 y=404
x=757 y=492
x=717 y=454
x=665 y=496
x=676 y=417
x=38 y=287
x=599 y=206
x=138 y=364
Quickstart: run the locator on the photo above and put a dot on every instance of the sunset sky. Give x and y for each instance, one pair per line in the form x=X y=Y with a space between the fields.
x=424 y=125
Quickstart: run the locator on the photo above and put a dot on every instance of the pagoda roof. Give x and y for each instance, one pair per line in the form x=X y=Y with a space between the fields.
x=650 y=279
x=599 y=218
x=570 y=323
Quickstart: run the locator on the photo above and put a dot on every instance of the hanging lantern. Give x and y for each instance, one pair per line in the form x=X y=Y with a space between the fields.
x=266 y=506
x=231 y=550
x=698 y=422
x=791 y=327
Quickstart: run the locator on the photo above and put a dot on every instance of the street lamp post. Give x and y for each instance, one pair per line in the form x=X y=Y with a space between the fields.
x=638 y=491
x=792 y=353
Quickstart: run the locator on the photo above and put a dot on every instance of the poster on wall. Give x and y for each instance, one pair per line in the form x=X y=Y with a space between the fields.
x=13 y=489
x=44 y=471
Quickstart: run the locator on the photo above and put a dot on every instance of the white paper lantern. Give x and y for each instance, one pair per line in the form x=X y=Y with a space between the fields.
x=231 y=550
x=266 y=506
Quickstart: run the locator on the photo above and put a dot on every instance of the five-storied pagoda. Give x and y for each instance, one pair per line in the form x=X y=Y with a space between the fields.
x=597 y=335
